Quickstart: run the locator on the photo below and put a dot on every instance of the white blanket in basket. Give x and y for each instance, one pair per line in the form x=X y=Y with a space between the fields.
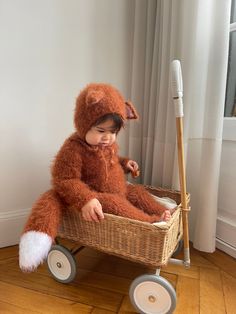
x=169 y=203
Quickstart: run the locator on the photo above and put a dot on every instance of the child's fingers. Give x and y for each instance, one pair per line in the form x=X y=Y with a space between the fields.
x=131 y=165
x=86 y=216
x=89 y=215
x=94 y=217
x=98 y=205
x=99 y=212
x=94 y=213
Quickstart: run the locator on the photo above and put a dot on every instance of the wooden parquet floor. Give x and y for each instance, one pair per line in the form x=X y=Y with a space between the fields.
x=102 y=284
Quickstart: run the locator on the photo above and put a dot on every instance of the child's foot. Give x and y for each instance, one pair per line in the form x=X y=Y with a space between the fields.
x=33 y=249
x=166 y=215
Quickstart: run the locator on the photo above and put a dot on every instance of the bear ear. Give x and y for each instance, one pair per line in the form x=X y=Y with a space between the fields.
x=131 y=112
x=94 y=96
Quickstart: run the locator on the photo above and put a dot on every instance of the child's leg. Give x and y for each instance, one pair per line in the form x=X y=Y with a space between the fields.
x=40 y=231
x=117 y=205
x=141 y=198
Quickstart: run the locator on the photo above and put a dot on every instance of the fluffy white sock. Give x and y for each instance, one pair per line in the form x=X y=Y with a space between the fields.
x=33 y=249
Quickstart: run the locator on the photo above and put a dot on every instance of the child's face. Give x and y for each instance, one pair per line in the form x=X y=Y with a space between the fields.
x=103 y=134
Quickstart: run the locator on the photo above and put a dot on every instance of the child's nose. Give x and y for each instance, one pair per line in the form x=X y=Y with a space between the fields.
x=105 y=136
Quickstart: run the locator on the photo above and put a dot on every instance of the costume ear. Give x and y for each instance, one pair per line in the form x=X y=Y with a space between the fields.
x=131 y=112
x=94 y=96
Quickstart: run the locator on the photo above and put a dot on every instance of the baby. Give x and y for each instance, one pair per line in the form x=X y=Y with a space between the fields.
x=89 y=175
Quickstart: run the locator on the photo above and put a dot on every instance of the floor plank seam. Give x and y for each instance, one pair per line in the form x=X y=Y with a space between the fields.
x=223 y=290
x=119 y=307
x=199 y=289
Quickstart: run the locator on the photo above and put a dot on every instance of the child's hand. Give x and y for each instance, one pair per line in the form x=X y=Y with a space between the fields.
x=133 y=167
x=92 y=211
x=166 y=215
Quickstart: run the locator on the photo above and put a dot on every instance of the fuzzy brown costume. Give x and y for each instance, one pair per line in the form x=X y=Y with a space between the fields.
x=82 y=172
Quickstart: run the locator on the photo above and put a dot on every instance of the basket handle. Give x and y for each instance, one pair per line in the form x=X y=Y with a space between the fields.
x=177 y=94
x=177 y=87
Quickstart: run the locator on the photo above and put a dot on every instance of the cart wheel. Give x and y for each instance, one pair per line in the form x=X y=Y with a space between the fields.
x=178 y=248
x=61 y=264
x=152 y=294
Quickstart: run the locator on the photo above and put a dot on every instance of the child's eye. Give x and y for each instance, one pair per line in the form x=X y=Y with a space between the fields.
x=100 y=131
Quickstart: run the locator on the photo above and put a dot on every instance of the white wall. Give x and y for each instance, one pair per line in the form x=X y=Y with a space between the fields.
x=49 y=50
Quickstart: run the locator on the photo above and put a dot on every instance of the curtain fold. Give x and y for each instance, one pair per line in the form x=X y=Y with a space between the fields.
x=196 y=33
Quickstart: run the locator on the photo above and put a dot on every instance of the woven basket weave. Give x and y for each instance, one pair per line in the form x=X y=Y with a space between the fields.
x=131 y=239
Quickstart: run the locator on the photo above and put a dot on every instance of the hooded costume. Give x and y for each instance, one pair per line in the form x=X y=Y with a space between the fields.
x=82 y=172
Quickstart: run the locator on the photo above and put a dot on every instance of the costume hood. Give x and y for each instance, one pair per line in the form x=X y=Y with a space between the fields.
x=97 y=100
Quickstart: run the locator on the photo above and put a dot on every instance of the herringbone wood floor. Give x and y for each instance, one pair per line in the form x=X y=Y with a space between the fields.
x=102 y=285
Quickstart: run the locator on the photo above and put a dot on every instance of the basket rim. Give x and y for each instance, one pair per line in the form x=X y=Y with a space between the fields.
x=163 y=225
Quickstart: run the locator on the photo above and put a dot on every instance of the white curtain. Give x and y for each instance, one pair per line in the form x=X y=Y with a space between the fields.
x=197 y=33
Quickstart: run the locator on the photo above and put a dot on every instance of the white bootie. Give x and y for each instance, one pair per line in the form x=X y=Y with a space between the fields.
x=33 y=249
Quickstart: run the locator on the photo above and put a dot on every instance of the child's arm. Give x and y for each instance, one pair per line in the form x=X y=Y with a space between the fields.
x=124 y=161
x=66 y=177
x=92 y=211
x=130 y=166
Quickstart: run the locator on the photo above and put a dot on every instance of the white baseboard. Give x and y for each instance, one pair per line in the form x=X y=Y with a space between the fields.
x=226 y=236
x=225 y=247
x=11 y=226
x=226 y=230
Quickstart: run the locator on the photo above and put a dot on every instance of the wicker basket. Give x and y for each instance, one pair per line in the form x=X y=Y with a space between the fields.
x=127 y=238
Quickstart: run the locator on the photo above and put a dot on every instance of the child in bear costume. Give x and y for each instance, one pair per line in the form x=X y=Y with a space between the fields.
x=89 y=176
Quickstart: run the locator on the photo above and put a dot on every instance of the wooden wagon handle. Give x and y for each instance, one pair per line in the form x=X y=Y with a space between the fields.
x=177 y=94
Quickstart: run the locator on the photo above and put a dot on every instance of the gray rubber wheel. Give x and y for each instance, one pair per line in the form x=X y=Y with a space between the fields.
x=178 y=248
x=152 y=294
x=61 y=264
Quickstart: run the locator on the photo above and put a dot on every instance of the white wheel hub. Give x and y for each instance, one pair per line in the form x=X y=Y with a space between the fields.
x=152 y=298
x=59 y=265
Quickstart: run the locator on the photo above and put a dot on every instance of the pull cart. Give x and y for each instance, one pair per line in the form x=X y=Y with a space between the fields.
x=151 y=245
